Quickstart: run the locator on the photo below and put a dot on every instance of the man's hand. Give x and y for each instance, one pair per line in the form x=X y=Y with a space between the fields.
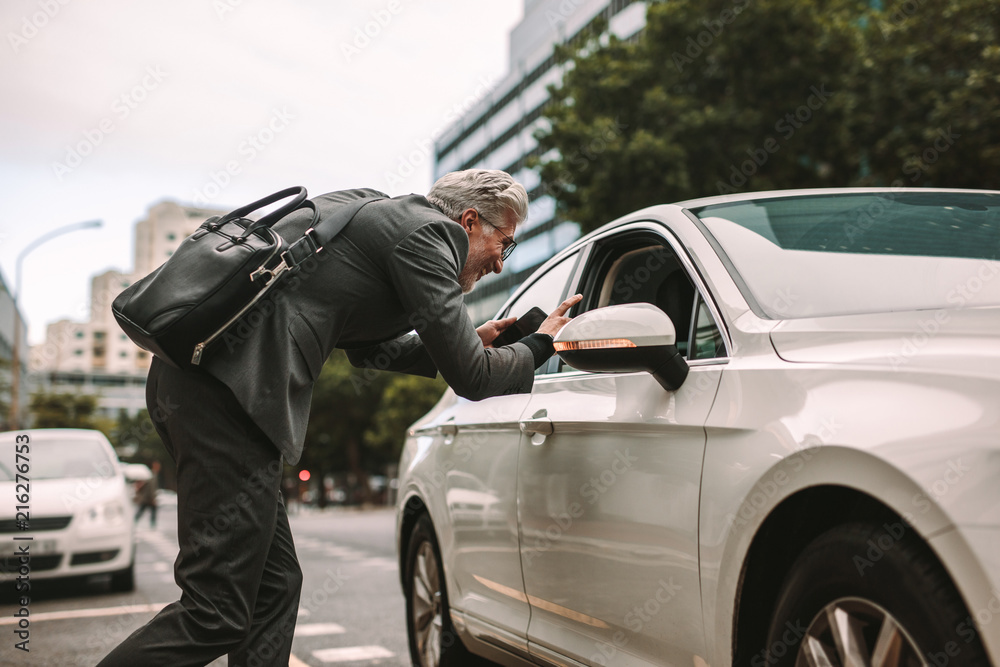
x=557 y=318
x=489 y=331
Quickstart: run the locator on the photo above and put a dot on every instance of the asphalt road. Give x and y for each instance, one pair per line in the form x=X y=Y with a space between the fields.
x=351 y=612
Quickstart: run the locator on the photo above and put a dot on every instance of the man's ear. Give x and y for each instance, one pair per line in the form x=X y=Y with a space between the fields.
x=469 y=220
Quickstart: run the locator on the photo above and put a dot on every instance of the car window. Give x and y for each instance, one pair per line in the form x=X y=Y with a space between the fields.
x=640 y=268
x=61 y=459
x=707 y=339
x=838 y=254
x=547 y=292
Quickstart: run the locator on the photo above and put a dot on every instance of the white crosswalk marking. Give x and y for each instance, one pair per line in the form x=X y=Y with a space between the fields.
x=350 y=653
x=314 y=629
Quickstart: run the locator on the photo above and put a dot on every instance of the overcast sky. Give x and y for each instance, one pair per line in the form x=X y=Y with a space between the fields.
x=113 y=105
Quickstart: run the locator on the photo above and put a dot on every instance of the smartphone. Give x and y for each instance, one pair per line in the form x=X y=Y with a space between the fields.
x=526 y=324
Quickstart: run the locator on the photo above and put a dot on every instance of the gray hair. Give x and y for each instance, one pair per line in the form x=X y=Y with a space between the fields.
x=490 y=191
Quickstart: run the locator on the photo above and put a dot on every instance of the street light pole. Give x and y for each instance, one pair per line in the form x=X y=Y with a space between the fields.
x=15 y=382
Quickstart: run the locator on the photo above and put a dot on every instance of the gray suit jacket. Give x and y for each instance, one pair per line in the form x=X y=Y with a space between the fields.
x=394 y=269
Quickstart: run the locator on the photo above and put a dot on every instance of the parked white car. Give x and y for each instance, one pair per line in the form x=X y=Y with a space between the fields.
x=771 y=436
x=64 y=488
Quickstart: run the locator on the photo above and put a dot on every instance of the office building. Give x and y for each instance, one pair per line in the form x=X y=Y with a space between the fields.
x=497 y=133
x=7 y=351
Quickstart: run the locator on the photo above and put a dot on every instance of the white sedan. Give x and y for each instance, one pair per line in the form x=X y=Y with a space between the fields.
x=769 y=437
x=64 y=499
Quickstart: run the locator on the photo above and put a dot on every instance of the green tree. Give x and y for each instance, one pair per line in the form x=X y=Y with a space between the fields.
x=929 y=94
x=722 y=96
x=405 y=399
x=136 y=440
x=358 y=419
x=62 y=410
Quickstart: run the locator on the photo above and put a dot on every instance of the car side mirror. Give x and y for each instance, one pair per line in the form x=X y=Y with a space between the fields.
x=622 y=339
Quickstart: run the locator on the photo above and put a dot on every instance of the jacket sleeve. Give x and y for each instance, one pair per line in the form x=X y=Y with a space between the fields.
x=424 y=269
x=405 y=354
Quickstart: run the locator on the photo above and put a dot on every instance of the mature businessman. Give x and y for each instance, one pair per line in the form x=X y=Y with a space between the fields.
x=401 y=265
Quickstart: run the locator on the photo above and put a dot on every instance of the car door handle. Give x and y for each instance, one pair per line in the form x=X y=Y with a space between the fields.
x=539 y=426
x=449 y=429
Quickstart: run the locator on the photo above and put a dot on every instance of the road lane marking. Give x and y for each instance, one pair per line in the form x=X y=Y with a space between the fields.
x=159 y=566
x=352 y=653
x=89 y=613
x=295 y=662
x=314 y=629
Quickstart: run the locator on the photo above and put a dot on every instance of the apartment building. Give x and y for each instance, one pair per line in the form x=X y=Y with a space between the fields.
x=94 y=356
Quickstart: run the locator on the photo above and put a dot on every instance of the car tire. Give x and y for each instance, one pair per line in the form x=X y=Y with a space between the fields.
x=123 y=581
x=433 y=640
x=877 y=586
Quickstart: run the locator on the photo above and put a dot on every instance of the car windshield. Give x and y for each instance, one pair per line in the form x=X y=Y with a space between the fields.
x=58 y=459
x=820 y=255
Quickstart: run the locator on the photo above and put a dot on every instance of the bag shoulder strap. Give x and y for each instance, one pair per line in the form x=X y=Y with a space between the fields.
x=321 y=233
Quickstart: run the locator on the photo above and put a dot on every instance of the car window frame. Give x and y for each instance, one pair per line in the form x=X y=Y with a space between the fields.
x=663 y=232
x=579 y=261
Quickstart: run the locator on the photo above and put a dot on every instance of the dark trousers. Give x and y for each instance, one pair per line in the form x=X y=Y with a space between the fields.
x=237 y=570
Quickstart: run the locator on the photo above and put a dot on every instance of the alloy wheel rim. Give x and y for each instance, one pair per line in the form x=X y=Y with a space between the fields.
x=425 y=599
x=853 y=632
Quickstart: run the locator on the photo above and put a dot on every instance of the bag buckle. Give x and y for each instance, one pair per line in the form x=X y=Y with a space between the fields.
x=275 y=272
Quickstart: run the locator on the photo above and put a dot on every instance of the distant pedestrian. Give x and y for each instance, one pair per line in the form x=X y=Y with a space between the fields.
x=146 y=495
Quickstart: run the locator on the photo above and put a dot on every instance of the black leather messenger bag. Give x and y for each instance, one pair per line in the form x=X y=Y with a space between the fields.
x=218 y=274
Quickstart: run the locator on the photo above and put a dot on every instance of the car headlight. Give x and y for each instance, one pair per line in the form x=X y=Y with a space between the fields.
x=111 y=513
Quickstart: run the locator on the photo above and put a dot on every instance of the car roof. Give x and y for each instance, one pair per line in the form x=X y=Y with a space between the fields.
x=43 y=434
x=661 y=210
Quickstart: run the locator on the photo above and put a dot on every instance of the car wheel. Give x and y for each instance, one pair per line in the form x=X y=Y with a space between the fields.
x=123 y=581
x=433 y=640
x=864 y=594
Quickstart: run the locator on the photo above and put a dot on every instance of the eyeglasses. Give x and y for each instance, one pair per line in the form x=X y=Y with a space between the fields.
x=509 y=243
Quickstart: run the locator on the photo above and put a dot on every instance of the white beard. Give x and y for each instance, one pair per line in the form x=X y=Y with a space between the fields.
x=474 y=266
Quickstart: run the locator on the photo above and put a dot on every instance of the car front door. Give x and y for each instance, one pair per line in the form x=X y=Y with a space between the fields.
x=608 y=477
x=478 y=462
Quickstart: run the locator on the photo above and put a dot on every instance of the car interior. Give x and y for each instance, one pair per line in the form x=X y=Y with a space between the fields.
x=636 y=270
